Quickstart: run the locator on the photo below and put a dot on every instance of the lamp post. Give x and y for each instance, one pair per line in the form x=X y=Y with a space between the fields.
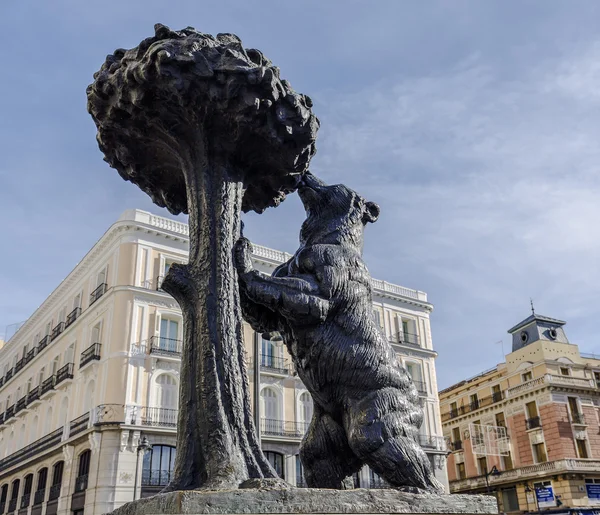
x=528 y=490
x=144 y=446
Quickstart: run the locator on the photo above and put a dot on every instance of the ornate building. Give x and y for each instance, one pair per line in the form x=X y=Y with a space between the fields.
x=92 y=377
x=528 y=429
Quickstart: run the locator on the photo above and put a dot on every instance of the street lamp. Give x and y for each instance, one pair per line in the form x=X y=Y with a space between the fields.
x=144 y=446
x=494 y=472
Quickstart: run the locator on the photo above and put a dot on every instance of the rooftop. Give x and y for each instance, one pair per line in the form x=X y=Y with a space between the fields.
x=538 y=318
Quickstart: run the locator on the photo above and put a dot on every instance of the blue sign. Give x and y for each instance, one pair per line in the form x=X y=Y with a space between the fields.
x=593 y=492
x=545 y=497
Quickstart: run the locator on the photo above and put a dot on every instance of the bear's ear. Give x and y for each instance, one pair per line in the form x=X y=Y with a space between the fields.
x=371 y=213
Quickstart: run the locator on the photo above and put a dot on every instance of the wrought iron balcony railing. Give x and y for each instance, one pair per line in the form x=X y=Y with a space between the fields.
x=272 y=363
x=72 y=316
x=19 y=365
x=9 y=374
x=1 y=381
x=12 y=505
x=165 y=346
x=473 y=406
x=437 y=443
x=39 y=496
x=81 y=483
x=43 y=343
x=457 y=445
x=534 y=423
x=30 y=355
x=90 y=354
x=54 y=492
x=79 y=424
x=153 y=417
x=9 y=413
x=578 y=419
x=497 y=396
x=21 y=404
x=40 y=445
x=408 y=338
x=25 y=499
x=2 y=422
x=47 y=385
x=64 y=373
x=98 y=292
x=58 y=329
x=420 y=385
x=286 y=428
x=156 y=477
x=34 y=394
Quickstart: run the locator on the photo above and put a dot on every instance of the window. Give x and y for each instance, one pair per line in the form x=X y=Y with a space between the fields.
x=597 y=378
x=456 y=441
x=496 y=393
x=564 y=371
x=270 y=354
x=539 y=453
x=158 y=465
x=533 y=418
x=405 y=331
x=77 y=301
x=26 y=497
x=169 y=334
x=88 y=400
x=81 y=481
x=453 y=409
x=270 y=404
x=40 y=492
x=167 y=392
x=57 y=474
x=460 y=471
x=474 y=401
x=300 y=481
x=500 y=421
x=306 y=409
x=101 y=277
x=527 y=376
x=377 y=316
x=507 y=463
x=573 y=407
x=276 y=461
x=3 y=497
x=510 y=500
x=96 y=336
x=582 y=451
x=482 y=465
x=14 y=494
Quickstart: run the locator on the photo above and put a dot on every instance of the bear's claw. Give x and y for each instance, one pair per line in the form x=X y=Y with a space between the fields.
x=241 y=254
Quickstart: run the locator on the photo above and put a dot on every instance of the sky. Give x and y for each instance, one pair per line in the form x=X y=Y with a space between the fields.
x=474 y=125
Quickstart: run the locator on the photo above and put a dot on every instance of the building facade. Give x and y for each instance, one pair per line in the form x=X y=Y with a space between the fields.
x=95 y=371
x=528 y=429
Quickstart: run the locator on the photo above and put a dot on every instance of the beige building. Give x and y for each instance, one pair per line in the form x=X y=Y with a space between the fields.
x=96 y=368
x=528 y=429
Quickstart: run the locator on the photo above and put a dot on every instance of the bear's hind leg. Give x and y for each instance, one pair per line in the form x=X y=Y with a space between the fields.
x=327 y=459
x=380 y=429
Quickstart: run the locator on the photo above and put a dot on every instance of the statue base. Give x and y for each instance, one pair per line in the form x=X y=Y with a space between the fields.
x=308 y=501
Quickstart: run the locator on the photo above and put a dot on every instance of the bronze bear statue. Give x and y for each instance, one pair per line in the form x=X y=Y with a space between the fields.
x=366 y=408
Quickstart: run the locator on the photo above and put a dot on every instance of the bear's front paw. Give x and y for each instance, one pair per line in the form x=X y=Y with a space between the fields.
x=242 y=256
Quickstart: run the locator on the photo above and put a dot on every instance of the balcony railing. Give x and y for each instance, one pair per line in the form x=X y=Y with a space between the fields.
x=39 y=496
x=90 y=354
x=47 y=385
x=25 y=499
x=420 y=385
x=1 y=422
x=57 y=330
x=497 y=396
x=9 y=374
x=286 y=428
x=560 y=380
x=30 y=355
x=473 y=406
x=272 y=363
x=54 y=492
x=165 y=346
x=578 y=419
x=64 y=373
x=1 y=384
x=378 y=482
x=158 y=477
x=72 y=316
x=81 y=483
x=2 y=506
x=9 y=413
x=19 y=365
x=79 y=424
x=12 y=505
x=534 y=423
x=98 y=292
x=21 y=404
x=457 y=445
x=408 y=338
x=153 y=417
x=34 y=394
x=437 y=443
x=46 y=442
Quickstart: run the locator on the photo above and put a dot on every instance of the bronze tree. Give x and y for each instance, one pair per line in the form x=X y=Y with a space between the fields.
x=206 y=127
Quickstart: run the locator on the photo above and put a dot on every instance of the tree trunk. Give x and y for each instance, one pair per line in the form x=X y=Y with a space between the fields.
x=217 y=446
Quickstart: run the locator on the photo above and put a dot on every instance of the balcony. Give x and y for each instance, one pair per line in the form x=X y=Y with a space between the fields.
x=72 y=316
x=98 y=292
x=578 y=419
x=47 y=386
x=435 y=443
x=534 y=423
x=156 y=477
x=34 y=395
x=21 y=404
x=283 y=428
x=43 y=343
x=273 y=364
x=9 y=374
x=152 y=417
x=81 y=483
x=25 y=500
x=79 y=424
x=65 y=373
x=1 y=423
x=165 y=346
x=551 y=379
x=408 y=339
x=92 y=353
x=19 y=365
x=421 y=386
x=39 y=496
x=1 y=381
x=57 y=331
x=54 y=492
x=497 y=396
x=12 y=505
x=46 y=442
x=457 y=445
x=30 y=355
x=9 y=413
x=473 y=406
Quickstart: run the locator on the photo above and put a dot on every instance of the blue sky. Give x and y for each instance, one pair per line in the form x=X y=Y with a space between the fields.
x=475 y=126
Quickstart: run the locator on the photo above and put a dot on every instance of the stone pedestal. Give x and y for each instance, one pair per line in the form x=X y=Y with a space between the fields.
x=308 y=501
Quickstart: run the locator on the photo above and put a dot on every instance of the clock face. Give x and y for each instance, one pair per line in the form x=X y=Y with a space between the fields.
x=524 y=336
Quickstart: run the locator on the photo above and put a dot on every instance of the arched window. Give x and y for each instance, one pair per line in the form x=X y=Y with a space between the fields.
x=88 y=400
x=81 y=481
x=158 y=465
x=14 y=495
x=33 y=430
x=48 y=421
x=57 y=474
x=3 y=497
x=40 y=492
x=26 y=497
x=276 y=461
x=306 y=409
x=271 y=412
x=167 y=392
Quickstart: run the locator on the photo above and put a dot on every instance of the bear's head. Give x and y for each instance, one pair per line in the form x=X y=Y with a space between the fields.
x=334 y=214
